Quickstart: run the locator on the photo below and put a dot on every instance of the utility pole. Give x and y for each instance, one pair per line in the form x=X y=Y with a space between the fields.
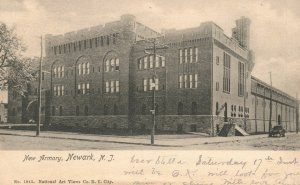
x=40 y=91
x=270 y=120
x=153 y=94
x=297 y=114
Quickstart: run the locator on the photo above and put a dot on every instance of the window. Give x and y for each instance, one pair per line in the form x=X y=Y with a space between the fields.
x=55 y=91
x=157 y=58
x=107 y=65
x=116 y=110
x=112 y=86
x=194 y=108
x=217 y=86
x=191 y=81
x=140 y=64
x=185 y=55
x=163 y=61
x=62 y=90
x=53 y=111
x=43 y=75
x=117 y=86
x=106 y=86
x=86 y=110
x=107 y=39
x=185 y=81
x=180 y=82
x=58 y=90
x=87 y=68
x=196 y=81
x=117 y=64
x=151 y=61
x=77 y=110
x=191 y=55
x=105 y=110
x=180 y=56
x=196 y=54
x=226 y=73
x=60 y=111
x=112 y=64
x=156 y=83
x=180 y=109
x=145 y=62
x=143 y=112
x=217 y=60
x=79 y=69
x=241 y=79
x=145 y=84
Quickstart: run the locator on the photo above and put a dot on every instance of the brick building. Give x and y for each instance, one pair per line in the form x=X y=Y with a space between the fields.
x=102 y=77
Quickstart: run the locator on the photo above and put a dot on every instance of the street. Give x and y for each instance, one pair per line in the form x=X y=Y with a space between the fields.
x=26 y=140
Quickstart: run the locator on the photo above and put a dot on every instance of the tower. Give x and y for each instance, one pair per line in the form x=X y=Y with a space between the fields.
x=242 y=32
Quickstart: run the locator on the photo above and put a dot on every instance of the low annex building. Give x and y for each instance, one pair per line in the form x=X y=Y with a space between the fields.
x=103 y=77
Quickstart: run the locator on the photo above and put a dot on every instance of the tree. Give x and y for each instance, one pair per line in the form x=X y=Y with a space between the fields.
x=15 y=70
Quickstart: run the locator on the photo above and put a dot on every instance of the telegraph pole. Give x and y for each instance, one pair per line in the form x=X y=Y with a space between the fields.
x=40 y=91
x=153 y=95
x=270 y=119
x=297 y=114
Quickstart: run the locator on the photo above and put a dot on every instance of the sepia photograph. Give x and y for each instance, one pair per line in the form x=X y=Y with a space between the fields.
x=149 y=75
x=149 y=92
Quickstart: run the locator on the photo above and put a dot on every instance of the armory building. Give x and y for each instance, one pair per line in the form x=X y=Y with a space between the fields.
x=102 y=77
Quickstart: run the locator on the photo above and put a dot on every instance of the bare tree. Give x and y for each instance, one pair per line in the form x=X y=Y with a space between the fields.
x=15 y=70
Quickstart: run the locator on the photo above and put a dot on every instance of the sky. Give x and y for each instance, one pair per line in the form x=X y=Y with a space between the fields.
x=275 y=25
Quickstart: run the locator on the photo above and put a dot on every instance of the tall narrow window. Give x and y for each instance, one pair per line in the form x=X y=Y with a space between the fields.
x=117 y=64
x=191 y=55
x=196 y=81
x=55 y=92
x=62 y=71
x=157 y=61
x=140 y=63
x=145 y=84
x=112 y=86
x=156 y=83
x=79 y=69
x=58 y=72
x=180 y=56
x=117 y=86
x=62 y=90
x=145 y=62
x=87 y=88
x=241 y=78
x=185 y=55
x=112 y=64
x=107 y=65
x=180 y=82
x=60 y=111
x=226 y=73
x=196 y=54
x=163 y=61
x=79 y=89
x=107 y=86
x=151 y=61
x=58 y=90
x=185 y=81
x=83 y=88
x=191 y=81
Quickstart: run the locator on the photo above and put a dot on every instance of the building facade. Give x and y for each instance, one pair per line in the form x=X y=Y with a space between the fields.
x=103 y=77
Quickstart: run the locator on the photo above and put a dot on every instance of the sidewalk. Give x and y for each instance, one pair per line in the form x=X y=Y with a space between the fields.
x=160 y=140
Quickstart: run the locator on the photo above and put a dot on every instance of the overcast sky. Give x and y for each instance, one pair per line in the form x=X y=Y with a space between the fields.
x=275 y=27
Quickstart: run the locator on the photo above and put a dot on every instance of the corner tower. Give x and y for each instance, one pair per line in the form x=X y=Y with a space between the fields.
x=242 y=32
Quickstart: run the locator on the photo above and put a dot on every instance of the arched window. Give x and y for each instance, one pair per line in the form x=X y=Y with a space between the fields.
x=105 y=110
x=77 y=110
x=180 y=108
x=53 y=111
x=60 y=111
x=143 y=111
x=86 y=110
x=194 y=108
x=116 y=110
